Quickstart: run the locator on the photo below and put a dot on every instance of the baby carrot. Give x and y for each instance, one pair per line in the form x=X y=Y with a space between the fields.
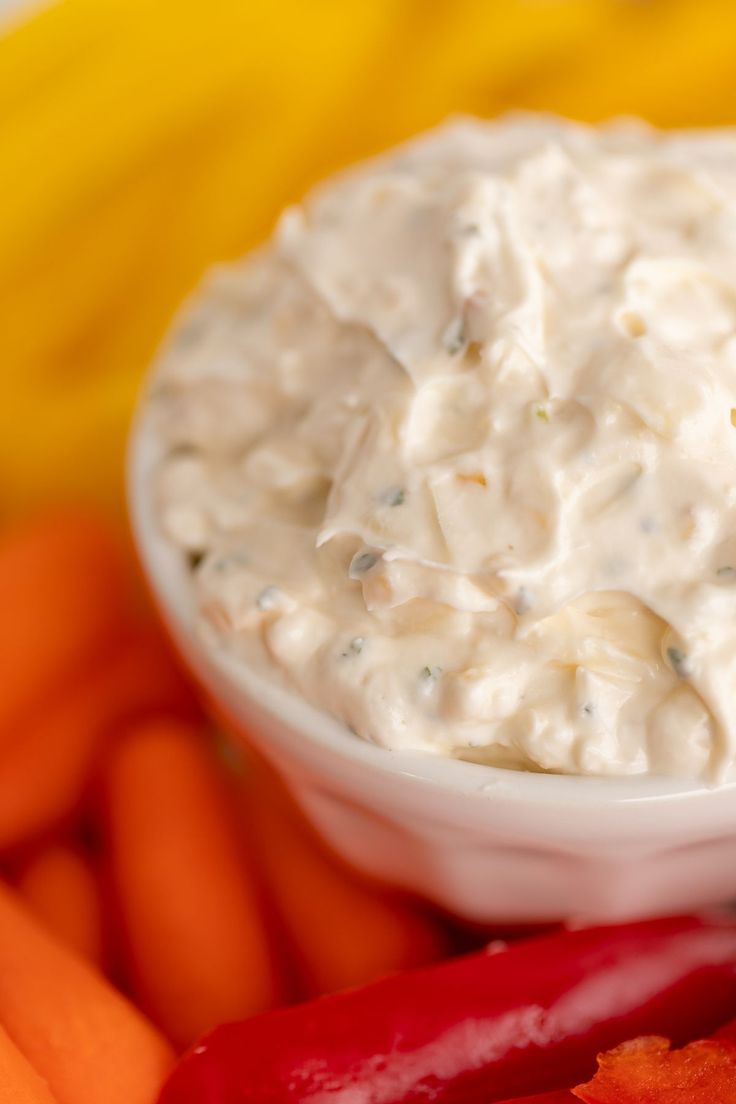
x=82 y=1036
x=45 y=768
x=19 y=1082
x=146 y=676
x=60 y=887
x=43 y=772
x=62 y=597
x=196 y=941
x=343 y=931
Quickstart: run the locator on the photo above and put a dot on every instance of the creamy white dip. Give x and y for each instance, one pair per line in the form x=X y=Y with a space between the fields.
x=456 y=452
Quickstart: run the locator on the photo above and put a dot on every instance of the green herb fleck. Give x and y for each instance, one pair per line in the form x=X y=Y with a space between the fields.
x=523 y=601
x=394 y=496
x=679 y=662
x=542 y=413
x=268 y=599
x=726 y=572
x=362 y=562
x=455 y=337
x=432 y=673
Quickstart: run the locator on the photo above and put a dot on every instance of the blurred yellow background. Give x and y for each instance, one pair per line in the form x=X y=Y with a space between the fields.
x=142 y=139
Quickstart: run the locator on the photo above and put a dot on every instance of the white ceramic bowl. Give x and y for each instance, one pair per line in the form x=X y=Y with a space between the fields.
x=487 y=844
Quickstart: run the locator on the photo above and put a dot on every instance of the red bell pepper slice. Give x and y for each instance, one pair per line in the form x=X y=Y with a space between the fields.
x=564 y=1096
x=647 y=1071
x=477 y=1029
x=727 y=1032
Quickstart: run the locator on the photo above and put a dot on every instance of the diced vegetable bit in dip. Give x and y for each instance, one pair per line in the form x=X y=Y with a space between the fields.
x=469 y=405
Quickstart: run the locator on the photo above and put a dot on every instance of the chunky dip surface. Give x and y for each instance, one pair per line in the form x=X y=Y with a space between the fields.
x=456 y=452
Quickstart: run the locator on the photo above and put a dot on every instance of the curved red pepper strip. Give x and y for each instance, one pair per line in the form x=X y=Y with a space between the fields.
x=564 y=1096
x=477 y=1029
x=727 y=1032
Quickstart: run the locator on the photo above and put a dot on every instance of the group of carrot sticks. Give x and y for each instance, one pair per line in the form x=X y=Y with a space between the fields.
x=152 y=887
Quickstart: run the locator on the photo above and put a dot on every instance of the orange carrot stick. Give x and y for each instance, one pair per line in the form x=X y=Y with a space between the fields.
x=343 y=931
x=62 y=597
x=82 y=1036
x=147 y=676
x=61 y=889
x=196 y=941
x=19 y=1082
x=44 y=770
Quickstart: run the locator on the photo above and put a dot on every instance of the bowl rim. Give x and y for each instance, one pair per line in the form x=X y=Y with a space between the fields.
x=167 y=573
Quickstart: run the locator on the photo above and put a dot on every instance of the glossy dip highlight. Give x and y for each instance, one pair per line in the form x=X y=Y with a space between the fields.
x=455 y=454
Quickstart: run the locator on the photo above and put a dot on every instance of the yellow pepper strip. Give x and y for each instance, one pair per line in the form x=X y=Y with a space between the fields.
x=141 y=141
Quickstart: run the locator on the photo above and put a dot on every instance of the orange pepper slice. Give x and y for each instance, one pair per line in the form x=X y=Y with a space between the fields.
x=648 y=1071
